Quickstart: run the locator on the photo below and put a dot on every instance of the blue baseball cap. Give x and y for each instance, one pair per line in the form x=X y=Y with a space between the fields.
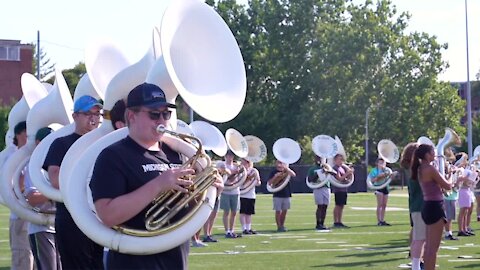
x=147 y=95
x=85 y=103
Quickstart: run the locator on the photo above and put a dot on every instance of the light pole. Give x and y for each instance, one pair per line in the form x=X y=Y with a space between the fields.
x=366 y=137
x=469 y=101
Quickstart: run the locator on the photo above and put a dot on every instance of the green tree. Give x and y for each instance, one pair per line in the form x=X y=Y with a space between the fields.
x=72 y=76
x=46 y=67
x=316 y=66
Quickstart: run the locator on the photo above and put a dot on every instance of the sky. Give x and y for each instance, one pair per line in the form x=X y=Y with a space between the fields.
x=67 y=27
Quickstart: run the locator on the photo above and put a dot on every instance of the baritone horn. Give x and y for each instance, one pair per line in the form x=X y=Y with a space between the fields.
x=287 y=151
x=211 y=78
x=388 y=151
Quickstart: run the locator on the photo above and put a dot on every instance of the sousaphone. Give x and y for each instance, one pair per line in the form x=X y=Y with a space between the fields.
x=54 y=108
x=324 y=147
x=287 y=151
x=349 y=180
x=210 y=136
x=210 y=77
x=257 y=151
x=238 y=145
x=388 y=151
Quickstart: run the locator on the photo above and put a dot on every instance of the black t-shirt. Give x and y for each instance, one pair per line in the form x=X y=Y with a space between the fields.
x=122 y=168
x=286 y=191
x=54 y=157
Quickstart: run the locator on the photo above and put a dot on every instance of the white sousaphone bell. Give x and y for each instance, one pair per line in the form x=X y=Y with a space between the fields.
x=33 y=92
x=210 y=77
x=56 y=107
x=123 y=77
x=287 y=151
x=238 y=145
x=325 y=147
x=38 y=175
x=388 y=151
x=210 y=136
x=257 y=151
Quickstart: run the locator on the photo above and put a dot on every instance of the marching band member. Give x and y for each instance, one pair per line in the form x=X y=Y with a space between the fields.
x=230 y=199
x=321 y=195
x=123 y=186
x=42 y=238
x=465 y=195
x=22 y=257
x=415 y=205
x=341 y=194
x=450 y=200
x=378 y=174
x=432 y=183
x=281 y=199
x=208 y=226
x=77 y=251
x=247 y=200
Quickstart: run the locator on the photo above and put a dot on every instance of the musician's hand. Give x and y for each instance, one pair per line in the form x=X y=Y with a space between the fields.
x=218 y=183
x=173 y=179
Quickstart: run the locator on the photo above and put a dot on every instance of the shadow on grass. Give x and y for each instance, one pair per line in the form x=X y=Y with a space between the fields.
x=467 y=266
x=4 y=268
x=355 y=264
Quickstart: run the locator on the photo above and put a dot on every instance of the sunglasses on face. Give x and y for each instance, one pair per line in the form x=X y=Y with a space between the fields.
x=155 y=115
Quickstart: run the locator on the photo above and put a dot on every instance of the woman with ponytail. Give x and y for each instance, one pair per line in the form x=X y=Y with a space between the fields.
x=415 y=205
x=432 y=183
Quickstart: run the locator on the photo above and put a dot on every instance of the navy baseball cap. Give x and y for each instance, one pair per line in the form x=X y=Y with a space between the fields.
x=148 y=95
x=42 y=133
x=85 y=103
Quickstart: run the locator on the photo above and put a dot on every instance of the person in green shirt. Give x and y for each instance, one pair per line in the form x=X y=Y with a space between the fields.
x=415 y=204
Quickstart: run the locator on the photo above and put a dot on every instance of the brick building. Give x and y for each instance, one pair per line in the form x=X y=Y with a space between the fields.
x=15 y=59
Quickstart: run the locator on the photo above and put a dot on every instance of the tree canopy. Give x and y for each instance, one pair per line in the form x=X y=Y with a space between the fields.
x=316 y=66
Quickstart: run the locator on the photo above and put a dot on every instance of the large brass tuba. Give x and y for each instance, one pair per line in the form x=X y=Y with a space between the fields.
x=389 y=152
x=287 y=151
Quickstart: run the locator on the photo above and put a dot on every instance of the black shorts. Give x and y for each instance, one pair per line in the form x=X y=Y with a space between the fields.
x=432 y=212
x=340 y=198
x=247 y=206
x=383 y=190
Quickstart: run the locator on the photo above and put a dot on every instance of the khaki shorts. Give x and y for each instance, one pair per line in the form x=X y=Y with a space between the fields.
x=419 y=227
x=280 y=204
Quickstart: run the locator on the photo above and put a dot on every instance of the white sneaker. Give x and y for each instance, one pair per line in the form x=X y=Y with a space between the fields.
x=199 y=244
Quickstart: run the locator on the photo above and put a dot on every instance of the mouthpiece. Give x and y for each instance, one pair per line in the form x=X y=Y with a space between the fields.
x=93 y=123
x=161 y=129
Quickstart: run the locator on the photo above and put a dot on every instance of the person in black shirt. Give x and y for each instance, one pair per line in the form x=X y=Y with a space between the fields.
x=77 y=251
x=281 y=199
x=129 y=174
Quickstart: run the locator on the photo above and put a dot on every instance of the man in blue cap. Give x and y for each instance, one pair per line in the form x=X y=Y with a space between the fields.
x=129 y=174
x=77 y=251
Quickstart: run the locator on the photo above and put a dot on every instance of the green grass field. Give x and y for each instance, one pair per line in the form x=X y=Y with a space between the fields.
x=363 y=245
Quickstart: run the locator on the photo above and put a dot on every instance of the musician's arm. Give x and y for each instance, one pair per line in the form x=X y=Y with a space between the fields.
x=53 y=172
x=257 y=177
x=290 y=172
x=439 y=179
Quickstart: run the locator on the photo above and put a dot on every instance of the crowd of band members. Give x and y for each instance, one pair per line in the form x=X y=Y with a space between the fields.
x=430 y=212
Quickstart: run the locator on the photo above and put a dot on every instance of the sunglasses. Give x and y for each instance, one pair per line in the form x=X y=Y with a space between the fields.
x=155 y=115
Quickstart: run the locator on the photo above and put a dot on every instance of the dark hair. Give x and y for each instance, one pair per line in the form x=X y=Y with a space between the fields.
x=117 y=113
x=337 y=155
x=407 y=155
x=419 y=154
x=19 y=128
